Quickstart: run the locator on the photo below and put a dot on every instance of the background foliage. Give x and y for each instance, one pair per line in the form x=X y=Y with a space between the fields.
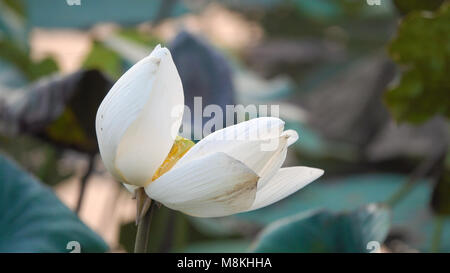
x=365 y=86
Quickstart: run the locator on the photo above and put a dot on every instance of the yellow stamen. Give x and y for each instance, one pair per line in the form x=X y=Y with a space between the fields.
x=179 y=148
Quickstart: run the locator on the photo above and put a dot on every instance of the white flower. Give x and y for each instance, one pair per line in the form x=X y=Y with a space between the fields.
x=232 y=170
x=134 y=120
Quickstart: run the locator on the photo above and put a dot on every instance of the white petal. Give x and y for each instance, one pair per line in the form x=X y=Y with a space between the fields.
x=249 y=152
x=272 y=167
x=130 y=188
x=260 y=130
x=263 y=155
x=254 y=129
x=212 y=186
x=138 y=120
x=292 y=136
x=257 y=143
x=284 y=183
x=276 y=161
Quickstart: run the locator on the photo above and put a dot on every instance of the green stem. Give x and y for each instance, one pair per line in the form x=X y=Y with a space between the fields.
x=143 y=231
x=437 y=234
x=417 y=174
x=83 y=182
x=404 y=190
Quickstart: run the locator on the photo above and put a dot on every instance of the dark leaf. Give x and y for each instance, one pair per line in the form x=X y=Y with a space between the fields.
x=347 y=107
x=395 y=141
x=440 y=202
x=59 y=109
x=203 y=71
x=295 y=57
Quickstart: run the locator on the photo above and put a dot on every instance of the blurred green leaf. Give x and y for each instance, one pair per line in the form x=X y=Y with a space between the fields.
x=127 y=236
x=112 y=61
x=168 y=230
x=421 y=46
x=13 y=24
x=218 y=246
x=134 y=35
x=16 y=5
x=406 y=6
x=32 y=219
x=323 y=231
x=104 y=59
x=14 y=47
x=19 y=58
x=218 y=227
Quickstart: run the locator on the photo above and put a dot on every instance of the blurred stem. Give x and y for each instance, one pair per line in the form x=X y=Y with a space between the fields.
x=143 y=229
x=167 y=242
x=421 y=171
x=84 y=180
x=401 y=193
x=437 y=233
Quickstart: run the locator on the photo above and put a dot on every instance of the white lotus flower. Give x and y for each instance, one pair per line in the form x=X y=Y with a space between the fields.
x=230 y=171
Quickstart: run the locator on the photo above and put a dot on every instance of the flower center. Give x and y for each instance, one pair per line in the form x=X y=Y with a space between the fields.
x=180 y=147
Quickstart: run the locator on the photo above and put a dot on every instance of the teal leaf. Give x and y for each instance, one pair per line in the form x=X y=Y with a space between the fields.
x=32 y=219
x=412 y=216
x=89 y=13
x=10 y=76
x=324 y=231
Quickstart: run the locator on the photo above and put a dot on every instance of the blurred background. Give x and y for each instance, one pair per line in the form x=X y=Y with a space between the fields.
x=365 y=84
